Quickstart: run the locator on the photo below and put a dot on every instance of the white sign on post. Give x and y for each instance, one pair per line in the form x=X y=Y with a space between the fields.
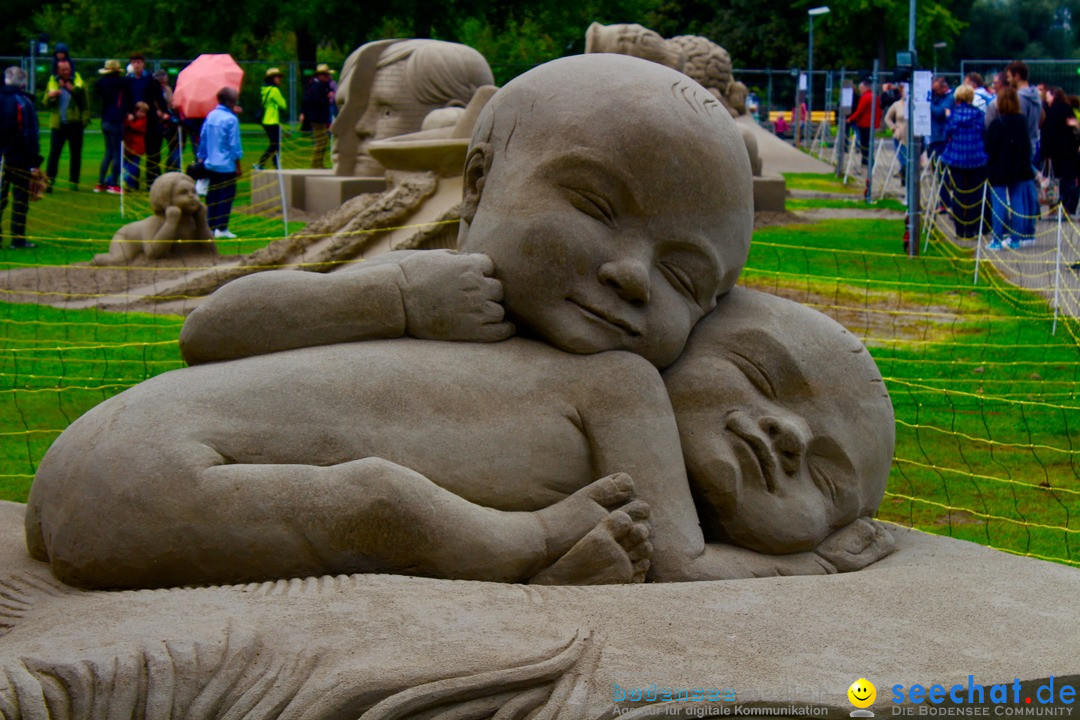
x=802 y=81
x=922 y=87
x=847 y=96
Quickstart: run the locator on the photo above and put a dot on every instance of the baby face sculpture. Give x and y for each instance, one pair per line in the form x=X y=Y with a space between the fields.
x=182 y=195
x=406 y=80
x=786 y=425
x=615 y=217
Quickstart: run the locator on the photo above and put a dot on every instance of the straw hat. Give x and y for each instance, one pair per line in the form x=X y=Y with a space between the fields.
x=323 y=68
x=111 y=66
x=273 y=72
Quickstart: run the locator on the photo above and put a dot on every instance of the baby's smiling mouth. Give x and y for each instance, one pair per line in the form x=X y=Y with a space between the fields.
x=753 y=451
x=612 y=320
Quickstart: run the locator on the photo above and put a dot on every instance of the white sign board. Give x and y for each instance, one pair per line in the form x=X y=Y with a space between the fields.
x=847 y=96
x=922 y=88
x=802 y=81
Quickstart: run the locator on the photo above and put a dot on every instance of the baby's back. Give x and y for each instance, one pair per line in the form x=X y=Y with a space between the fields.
x=497 y=424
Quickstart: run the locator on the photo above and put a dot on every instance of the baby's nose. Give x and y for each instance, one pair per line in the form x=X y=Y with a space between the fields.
x=789 y=439
x=629 y=278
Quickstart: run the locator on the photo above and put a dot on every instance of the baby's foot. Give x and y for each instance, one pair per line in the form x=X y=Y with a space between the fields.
x=567 y=521
x=615 y=551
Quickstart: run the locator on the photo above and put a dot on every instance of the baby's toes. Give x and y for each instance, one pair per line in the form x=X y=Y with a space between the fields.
x=619 y=525
x=612 y=490
x=637 y=509
x=639 y=570
x=641 y=551
x=634 y=536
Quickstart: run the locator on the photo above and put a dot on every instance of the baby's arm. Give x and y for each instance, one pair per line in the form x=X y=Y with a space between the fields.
x=853 y=547
x=159 y=244
x=433 y=294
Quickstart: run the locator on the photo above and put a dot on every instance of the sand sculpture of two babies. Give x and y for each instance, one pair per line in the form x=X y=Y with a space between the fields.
x=646 y=420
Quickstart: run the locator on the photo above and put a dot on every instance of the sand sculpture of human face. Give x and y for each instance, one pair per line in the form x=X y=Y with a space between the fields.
x=614 y=196
x=392 y=110
x=387 y=89
x=786 y=426
x=185 y=197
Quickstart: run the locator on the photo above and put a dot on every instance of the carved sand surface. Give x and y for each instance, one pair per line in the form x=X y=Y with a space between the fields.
x=936 y=611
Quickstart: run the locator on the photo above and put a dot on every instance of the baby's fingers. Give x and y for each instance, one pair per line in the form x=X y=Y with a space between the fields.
x=494 y=332
x=492 y=289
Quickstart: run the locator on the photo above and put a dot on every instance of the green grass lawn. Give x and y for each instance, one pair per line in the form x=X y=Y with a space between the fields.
x=987 y=413
x=988 y=418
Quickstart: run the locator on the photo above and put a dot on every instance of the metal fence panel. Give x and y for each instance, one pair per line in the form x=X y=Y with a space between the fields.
x=1061 y=73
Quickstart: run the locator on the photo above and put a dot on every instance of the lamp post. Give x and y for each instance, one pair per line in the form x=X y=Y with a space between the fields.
x=938 y=46
x=812 y=12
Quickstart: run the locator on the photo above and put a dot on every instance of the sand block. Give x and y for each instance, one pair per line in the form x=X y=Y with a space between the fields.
x=935 y=612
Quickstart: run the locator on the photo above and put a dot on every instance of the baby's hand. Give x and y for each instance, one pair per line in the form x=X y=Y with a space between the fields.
x=173 y=213
x=449 y=296
x=861 y=543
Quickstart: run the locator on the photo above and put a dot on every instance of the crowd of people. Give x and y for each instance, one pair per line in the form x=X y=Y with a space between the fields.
x=1018 y=138
x=143 y=131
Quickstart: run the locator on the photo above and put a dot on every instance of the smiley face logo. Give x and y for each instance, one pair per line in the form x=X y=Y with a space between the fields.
x=862 y=693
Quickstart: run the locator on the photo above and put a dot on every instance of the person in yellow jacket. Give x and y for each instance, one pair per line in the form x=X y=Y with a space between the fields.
x=273 y=102
x=67 y=99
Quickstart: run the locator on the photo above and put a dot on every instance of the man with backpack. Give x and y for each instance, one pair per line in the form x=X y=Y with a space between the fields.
x=20 y=152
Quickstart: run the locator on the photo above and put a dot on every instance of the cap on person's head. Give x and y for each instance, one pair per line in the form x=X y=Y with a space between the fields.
x=323 y=68
x=111 y=66
x=273 y=72
x=61 y=48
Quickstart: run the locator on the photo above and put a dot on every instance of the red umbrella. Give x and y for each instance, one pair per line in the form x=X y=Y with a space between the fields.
x=197 y=85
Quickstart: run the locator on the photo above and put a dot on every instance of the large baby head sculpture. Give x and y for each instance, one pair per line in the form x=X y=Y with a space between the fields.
x=787 y=428
x=389 y=87
x=614 y=199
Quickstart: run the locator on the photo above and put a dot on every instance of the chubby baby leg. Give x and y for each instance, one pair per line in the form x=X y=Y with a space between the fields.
x=218 y=522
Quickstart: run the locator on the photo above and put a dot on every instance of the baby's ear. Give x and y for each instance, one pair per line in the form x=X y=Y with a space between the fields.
x=477 y=167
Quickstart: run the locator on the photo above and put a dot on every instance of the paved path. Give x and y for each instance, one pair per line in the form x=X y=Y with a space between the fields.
x=778 y=156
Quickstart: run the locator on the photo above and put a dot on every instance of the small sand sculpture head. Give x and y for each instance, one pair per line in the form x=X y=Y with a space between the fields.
x=634 y=40
x=407 y=80
x=786 y=425
x=176 y=189
x=615 y=197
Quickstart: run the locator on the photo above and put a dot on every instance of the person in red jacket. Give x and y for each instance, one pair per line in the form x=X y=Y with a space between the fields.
x=134 y=145
x=868 y=104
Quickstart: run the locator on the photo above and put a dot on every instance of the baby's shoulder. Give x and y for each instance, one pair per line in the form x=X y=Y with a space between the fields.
x=140 y=229
x=614 y=378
